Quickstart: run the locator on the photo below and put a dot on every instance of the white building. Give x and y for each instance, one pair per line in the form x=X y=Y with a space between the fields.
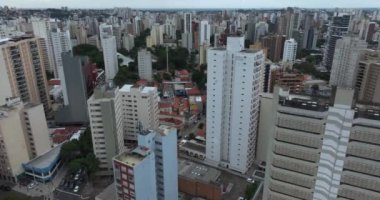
x=204 y=33
x=23 y=136
x=150 y=171
x=157 y=34
x=135 y=174
x=187 y=41
x=60 y=43
x=106 y=127
x=187 y=23
x=233 y=87
x=144 y=61
x=41 y=28
x=290 y=51
x=140 y=106
x=128 y=42
x=164 y=144
x=110 y=57
x=346 y=61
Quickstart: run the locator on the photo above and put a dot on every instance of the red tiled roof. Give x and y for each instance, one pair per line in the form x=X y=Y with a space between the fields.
x=141 y=82
x=183 y=72
x=54 y=82
x=61 y=135
x=193 y=91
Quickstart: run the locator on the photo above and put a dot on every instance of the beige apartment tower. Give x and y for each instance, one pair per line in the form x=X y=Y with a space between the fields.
x=368 y=77
x=23 y=136
x=22 y=71
x=322 y=149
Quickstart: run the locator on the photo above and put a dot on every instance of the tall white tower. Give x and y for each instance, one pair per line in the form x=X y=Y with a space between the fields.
x=60 y=43
x=144 y=58
x=345 y=63
x=108 y=42
x=233 y=88
x=204 y=33
x=290 y=51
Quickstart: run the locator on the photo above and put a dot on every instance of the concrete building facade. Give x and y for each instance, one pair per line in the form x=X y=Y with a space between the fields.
x=140 y=110
x=144 y=61
x=368 y=77
x=106 y=127
x=23 y=135
x=346 y=61
x=321 y=150
x=233 y=88
x=22 y=71
x=290 y=51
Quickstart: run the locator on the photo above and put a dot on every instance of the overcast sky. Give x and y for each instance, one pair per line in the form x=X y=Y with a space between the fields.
x=191 y=3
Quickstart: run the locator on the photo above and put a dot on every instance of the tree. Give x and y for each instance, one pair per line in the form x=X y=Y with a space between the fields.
x=200 y=78
x=250 y=190
x=157 y=77
x=75 y=164
x=91 y=163
x=92 y=52
x=124 y=76
x=191 y=136
x=70 y=150
x=167 y=77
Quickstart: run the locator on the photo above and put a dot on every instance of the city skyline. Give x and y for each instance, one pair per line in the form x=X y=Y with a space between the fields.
x=191 y=4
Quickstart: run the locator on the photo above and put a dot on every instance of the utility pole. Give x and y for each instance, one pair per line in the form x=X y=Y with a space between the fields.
x=167 y=60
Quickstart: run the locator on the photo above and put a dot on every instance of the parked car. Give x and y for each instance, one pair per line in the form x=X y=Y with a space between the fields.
x=32 y=185
x=76 y=189
x=250 y=180
x=5 y=188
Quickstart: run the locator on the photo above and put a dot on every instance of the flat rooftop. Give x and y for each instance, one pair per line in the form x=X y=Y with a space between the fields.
x=196 y=147
x=165 y=129
x=250 y=50
x=197 y=171
x=134 y=157
x=128 y=88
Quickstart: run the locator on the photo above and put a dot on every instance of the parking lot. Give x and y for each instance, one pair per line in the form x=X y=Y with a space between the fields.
x=72 y=185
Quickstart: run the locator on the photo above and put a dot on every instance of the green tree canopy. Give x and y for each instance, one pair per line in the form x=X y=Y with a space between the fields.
x=92 y=52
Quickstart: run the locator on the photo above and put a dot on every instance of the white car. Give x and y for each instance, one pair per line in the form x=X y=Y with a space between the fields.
x=241 y=198
x=76 y=189
x=32 y=185
x=250 y=180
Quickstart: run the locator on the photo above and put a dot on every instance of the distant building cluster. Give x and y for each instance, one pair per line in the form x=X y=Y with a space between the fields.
x=284 y=101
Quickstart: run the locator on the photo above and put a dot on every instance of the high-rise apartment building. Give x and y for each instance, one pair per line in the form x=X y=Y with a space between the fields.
x=22 y=71
x=150 y=171
x=128 y=42
x=275 y=46
x=108 y=42
x=36 y=130
x=346 y=59
x=75 y=112
x=233 y=88
x=368 y=77
x=204 y=31
x=106 y=127
x=144 y=62
x=140 y=110
x=41 y=29
x=290 y=51
x=135 y=174
x=187 y=23
x=338 y=27
x=60 y=43
x=163 y=142
x=23 y=136
x=322 y=150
